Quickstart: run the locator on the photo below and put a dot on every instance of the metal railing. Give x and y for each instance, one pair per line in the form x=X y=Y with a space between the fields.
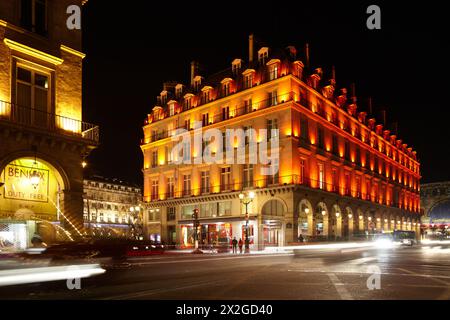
x=230 y=114
x=277 y=181
x=39 y=119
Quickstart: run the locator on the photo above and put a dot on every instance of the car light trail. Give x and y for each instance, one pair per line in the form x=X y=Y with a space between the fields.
x=44 y=274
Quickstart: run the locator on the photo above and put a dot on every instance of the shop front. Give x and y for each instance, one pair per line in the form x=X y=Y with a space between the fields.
x=272 y=233
x=30 y=205
x=217 y=233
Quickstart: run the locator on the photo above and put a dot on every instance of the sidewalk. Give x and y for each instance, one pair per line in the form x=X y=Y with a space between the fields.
x=284 y=250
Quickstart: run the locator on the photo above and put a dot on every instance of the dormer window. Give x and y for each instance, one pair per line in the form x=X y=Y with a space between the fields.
x=226 y=89
x=206 y=94
x=273 y=66
x=158 y=113
x=172 y=104
x=197 y=83
x=236 y=66
x=188 y=101
x=248 y=78
x=178 y=90
x=263 y=55
x=298 y=69
x=163 y=97
x=226 y=84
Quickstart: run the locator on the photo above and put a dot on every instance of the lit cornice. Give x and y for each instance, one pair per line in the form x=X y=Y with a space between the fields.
x=32 y=52
x=73 y=51
x=226 y=80
x=247 y=71
x=272 y=61
x=206 y=88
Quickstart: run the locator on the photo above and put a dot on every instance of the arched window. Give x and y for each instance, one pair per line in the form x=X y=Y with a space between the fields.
x=273 y=208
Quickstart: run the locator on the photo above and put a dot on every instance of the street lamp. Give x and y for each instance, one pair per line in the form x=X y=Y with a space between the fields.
x=135 y=219
x=196 y=224
x=246 y=199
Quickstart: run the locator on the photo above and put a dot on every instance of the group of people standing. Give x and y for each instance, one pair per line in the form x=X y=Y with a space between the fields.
x=235 y=244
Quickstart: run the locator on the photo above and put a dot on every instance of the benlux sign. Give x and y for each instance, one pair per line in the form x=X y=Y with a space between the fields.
x=18 y=185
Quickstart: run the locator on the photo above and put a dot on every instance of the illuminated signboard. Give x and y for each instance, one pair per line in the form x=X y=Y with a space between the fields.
x=19 y=186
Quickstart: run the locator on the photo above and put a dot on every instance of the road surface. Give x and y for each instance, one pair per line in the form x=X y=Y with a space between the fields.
x=419 y=272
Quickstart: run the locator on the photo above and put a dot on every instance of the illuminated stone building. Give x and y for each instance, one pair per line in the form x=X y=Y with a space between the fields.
x=112 y=208
x=341 y=174
x=43 y=138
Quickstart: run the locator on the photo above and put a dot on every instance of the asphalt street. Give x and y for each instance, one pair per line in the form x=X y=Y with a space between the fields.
x=419 y=272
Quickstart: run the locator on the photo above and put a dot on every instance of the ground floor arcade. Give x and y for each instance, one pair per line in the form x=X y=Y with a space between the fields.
x=277 y=217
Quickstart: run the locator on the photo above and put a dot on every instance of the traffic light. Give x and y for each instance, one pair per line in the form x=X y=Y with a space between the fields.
x=195 y=214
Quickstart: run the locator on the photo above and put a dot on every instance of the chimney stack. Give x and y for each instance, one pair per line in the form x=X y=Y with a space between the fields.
x=250 y=48
x=333 y=73
x=383 y=116
x=370 y=106
x=353 y=88
x=307 y=55
x=194 y=71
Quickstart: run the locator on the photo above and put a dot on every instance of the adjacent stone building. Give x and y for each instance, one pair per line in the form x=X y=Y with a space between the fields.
x=112 y=208
x=43 y=136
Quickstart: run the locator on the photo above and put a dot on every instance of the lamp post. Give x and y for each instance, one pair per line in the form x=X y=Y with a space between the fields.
x=196 y=224
x=246 y=199
x=135 y=215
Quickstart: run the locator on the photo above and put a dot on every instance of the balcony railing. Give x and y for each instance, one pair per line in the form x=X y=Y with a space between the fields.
x=37 y=119
x=276 y=181
x=232 y=113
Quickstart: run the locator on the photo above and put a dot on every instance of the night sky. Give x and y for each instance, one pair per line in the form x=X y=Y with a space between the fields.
x=133 y=46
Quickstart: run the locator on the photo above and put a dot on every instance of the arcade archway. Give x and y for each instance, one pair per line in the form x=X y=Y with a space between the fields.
x=30 y=203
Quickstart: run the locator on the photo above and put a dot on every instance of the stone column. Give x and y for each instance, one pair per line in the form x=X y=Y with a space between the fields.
x=163 y=219
x=260 y=232
x=289 y=234
x=351 y=222
x=311 y=224
x=326 y=219
x=378 y=223
x=338 y=232
x=417 y=229
x=386 y=226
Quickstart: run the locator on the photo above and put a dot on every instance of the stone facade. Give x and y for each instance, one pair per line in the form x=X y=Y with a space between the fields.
x=49 y=130
x=112 y=208
x=341 y=175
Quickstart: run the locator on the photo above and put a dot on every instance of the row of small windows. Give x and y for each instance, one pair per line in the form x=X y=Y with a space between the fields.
x=107 y=206
x=225 y=183
x=334 y=148
x=110 y=187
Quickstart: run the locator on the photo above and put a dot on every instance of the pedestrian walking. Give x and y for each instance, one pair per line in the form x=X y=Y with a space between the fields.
x=240 y=244
x=300 y=238
x=234 y=243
